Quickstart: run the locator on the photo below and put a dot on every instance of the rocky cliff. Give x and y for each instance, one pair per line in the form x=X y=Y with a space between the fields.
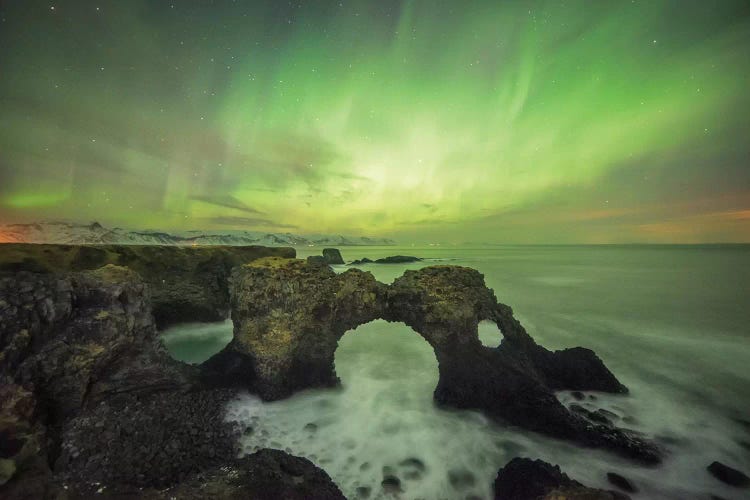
x=186 y=283
x=91 y=403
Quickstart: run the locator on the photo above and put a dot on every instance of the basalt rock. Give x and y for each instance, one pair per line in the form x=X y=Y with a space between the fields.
x=264 y=475
x=393 y=259
x=290 y=314
x=332 y=256
x=91 y=405
x=67 y=343
x=527 y=479
x=187 y=283
x=728 y=475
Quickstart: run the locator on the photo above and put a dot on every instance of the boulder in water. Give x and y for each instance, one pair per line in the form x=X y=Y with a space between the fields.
x=527 y=479
x=332 y=256
x=728 y=475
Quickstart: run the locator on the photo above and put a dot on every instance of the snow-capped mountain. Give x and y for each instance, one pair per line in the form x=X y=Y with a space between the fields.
x=96 y=234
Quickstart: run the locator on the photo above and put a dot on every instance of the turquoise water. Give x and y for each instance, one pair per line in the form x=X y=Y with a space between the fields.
x=671 y=322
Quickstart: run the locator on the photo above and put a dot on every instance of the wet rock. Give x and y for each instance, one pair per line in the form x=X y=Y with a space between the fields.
x=311 y=427
x=393 y=259
x=397 y=259
x=578 y=395
x=527 y=479
x=363 y=260
x=332 y=256
x=728 y=475
x=621 y=482
x=264 y=475
x=317 y=260
x=608 y=414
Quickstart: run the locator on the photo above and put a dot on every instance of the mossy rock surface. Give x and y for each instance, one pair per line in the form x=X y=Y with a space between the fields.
x=187 y=283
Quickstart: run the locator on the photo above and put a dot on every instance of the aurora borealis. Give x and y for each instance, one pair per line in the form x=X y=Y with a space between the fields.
x=502 y=122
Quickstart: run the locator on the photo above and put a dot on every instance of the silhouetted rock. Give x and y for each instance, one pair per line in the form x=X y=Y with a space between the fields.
x=332 y=256
x=264 y=475
x=728 y=475
x=527 y=479
x=397 y=259
x=317 y=260
x=363 y=260
x=621 y=482
x=394 y=259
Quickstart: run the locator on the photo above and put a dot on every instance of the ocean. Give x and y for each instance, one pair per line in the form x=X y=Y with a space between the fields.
x=671 y=322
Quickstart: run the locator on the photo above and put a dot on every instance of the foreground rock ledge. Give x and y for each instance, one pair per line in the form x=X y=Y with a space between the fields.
x=289 y=315
x=92 y=406
x=527 y=479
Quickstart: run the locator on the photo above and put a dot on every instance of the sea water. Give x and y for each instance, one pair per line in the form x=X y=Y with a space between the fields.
x=672 y=323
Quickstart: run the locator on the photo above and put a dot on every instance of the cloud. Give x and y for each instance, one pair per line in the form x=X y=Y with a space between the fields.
x=226 y=201
x=247 y=221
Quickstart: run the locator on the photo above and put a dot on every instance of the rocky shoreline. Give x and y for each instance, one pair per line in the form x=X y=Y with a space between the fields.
x=93 y=405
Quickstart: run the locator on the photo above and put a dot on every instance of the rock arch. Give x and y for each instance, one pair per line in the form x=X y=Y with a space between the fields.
x=289 y=315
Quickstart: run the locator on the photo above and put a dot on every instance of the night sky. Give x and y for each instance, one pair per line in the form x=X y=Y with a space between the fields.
x=452 y=121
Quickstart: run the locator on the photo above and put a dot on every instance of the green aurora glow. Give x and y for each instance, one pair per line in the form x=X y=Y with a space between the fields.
x=515 y=122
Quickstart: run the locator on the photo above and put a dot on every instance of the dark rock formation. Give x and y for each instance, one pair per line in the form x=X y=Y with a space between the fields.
x=363 y=260
x=289 y=316
x=264 y=475
x=67 y=343
x=394 y=259
x=187 y=283
x=153 y=441
x=91 y=404
x=621 y=482
x=332 y=256
x=397 y=259
x=527 y=479
x=728 y=475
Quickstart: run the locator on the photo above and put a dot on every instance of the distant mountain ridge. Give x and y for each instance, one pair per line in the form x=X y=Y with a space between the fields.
x=96 y=234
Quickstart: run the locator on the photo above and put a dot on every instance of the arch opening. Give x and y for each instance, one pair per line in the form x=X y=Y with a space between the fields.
x=489 y=333
x=388 y=360
x=196 y=342
x=379 y=434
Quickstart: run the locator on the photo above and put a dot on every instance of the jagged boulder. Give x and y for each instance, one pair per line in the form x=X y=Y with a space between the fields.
x=288 y=317
x=67 y=343
x=264 y=475
x=527 y=479
x=332 y=256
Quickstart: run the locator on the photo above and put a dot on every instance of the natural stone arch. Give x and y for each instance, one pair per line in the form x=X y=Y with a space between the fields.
x=289 y=315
